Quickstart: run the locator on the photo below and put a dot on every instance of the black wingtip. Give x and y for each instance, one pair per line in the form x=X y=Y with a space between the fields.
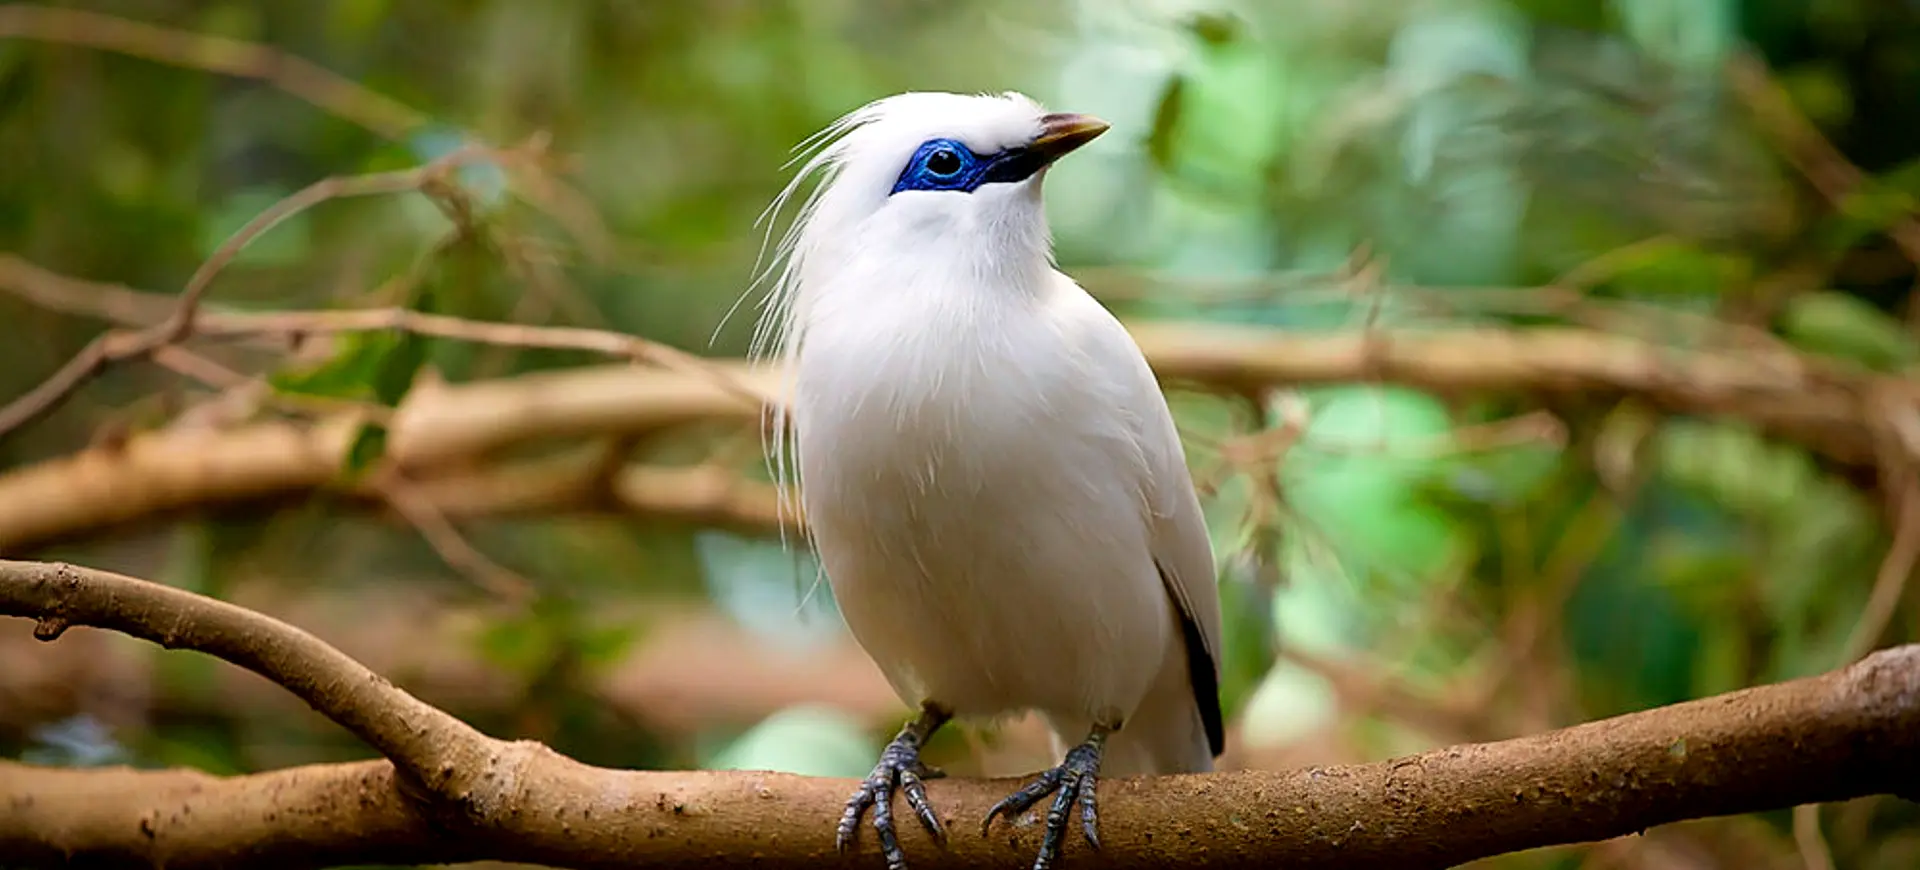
x=1204 y=676
x=1206 y=686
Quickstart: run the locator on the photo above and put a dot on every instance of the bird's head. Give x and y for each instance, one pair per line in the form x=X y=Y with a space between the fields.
x=937 y=177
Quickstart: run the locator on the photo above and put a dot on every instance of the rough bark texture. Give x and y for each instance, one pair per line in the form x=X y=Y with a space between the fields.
x=448 y=793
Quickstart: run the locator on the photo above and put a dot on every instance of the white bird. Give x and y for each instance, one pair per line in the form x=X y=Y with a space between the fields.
x=988 y=469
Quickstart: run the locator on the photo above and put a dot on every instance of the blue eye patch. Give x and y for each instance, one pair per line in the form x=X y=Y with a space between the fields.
x=944 y=164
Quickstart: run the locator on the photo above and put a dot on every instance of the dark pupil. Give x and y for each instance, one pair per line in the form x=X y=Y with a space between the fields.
x=943 y=162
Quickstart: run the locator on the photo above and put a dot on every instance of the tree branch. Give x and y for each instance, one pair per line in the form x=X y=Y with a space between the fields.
x=461 y=795
x=302 y=78
x=421 y=740
x=1835 y=412
x=115 y=346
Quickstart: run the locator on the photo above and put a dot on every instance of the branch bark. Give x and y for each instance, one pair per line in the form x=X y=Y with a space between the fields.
x=1841 y=414
x=418 y=638
x=447 y=793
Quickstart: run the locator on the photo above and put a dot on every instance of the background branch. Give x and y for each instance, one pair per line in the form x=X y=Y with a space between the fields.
x=1848 y=733
x=1834 y=411
x=339 y=96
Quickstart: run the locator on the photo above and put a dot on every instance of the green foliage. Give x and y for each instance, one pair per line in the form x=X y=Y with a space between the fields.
x=1844 y=326
x=809 y=740
x=1362 y=493
x=557 y=628
x=1470 y=143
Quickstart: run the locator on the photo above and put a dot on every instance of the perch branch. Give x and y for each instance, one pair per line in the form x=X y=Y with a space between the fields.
x=418 y=738
x=1848 y=733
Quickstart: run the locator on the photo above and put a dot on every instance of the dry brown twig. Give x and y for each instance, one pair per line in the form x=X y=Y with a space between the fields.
x=181 y=321
x=1825 y=167
x=323 y=89
x=132 y=307
x=330 y=92
x=446 y=540
x=1896 y=572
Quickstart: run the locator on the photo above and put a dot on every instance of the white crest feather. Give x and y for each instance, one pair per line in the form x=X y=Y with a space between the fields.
x=879 y=136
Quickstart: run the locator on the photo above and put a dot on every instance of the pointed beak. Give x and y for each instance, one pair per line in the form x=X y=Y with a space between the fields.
x=1062 y=133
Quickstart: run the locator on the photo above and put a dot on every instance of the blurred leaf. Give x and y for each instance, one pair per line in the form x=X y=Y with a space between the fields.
x=1166 y=120
x=1247 y=641
x=606 y=645
x=400 y=365
x=232 y=20
x=191 y=561
x=1675 y=267
x=355 y=20
x=1654 y=662
x=1820 y=92
x=1844 y=326
x=1721 y=663
x=1440 y=44
x=809 y=740
x=381 y=366
x=1734 y=466
x=1220 y=120
x=781 y=594
x=349 y=373
x=520 y=645
x=1356 y=489
x=529 y=642
x=1704 y=575
x=1503 y=477
x=1869 y=209
x=1694 y=35
x=210 y=747
x=1291 y=703
x=369 y=444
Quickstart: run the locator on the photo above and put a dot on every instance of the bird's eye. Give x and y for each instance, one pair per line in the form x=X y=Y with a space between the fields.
x=943 y=162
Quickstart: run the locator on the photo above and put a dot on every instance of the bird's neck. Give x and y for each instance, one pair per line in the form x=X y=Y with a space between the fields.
x=1011 y=256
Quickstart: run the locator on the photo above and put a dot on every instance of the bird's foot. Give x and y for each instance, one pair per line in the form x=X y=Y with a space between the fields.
x=1075 y=780
x=900 y=767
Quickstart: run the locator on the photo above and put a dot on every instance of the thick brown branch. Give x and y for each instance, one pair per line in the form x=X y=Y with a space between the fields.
x=666 y=681
x=1832 y=412
x=419 y=738
x=1794 y=397
x=1848 y=733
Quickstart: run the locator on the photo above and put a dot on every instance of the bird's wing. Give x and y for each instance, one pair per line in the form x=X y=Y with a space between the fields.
x=1184 y=555
x=1181 y=549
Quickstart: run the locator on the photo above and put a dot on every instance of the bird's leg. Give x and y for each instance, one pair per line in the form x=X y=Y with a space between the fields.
x=1075 y=780
x=900 y=766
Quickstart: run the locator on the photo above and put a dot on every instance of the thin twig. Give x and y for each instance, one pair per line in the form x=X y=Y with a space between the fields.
x=181 y=361
x=330 y=92
x=1896 y=571
x=453 y=547
x=600 y=341
x=116 y=347
x=1825 y=167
